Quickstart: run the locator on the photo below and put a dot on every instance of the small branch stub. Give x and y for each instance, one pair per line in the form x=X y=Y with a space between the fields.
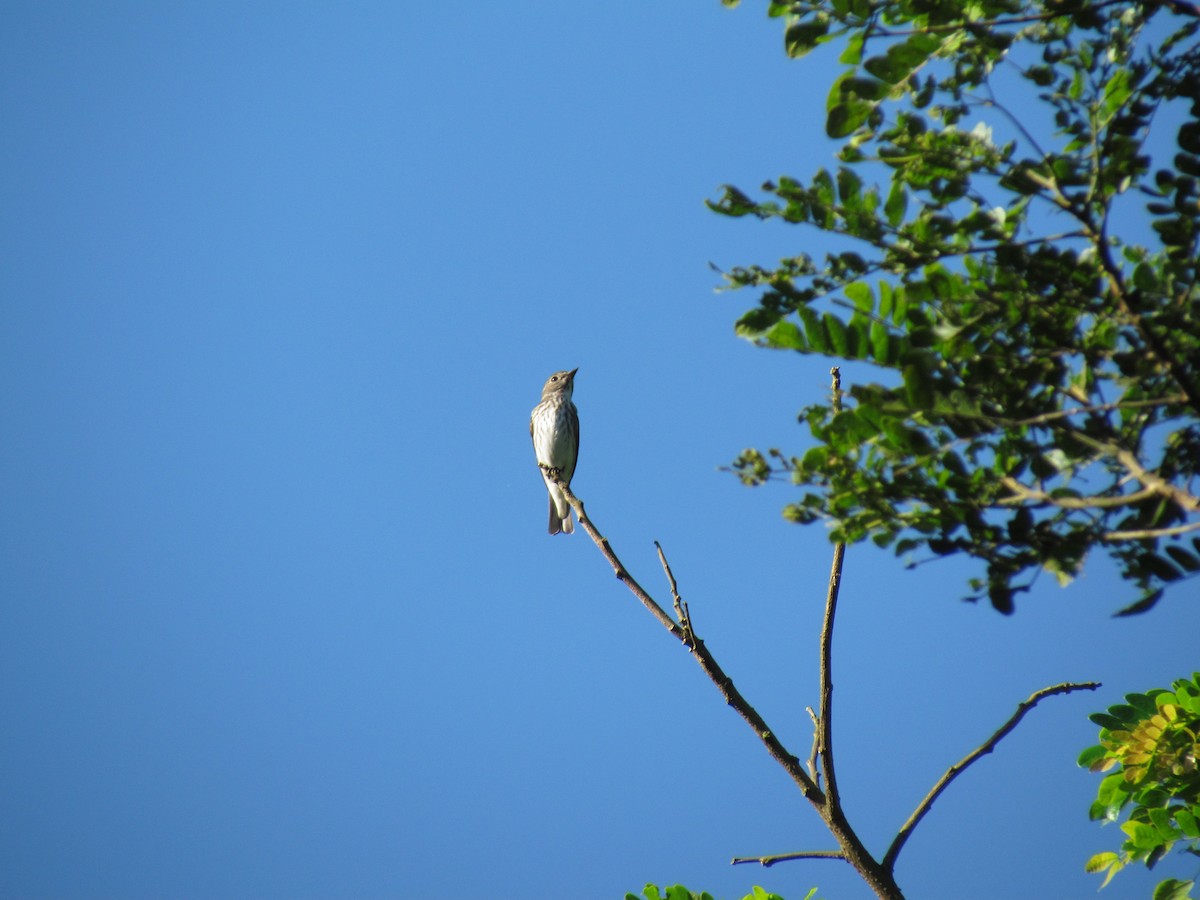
x=681 y=609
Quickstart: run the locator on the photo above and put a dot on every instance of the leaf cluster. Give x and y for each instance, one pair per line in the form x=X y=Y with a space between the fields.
x=679 y=892
x=1153 y=742
x=1040 y=372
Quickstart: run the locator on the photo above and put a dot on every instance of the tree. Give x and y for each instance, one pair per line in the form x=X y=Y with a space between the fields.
x=1038 y=331
x=1040 y=355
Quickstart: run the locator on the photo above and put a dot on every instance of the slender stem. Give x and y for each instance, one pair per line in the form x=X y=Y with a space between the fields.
x=889 y=859
x=622 y=573
x=766 y=861
x=707 y=662
x=1023 y=494
x=825 y=715
x=1146 y=533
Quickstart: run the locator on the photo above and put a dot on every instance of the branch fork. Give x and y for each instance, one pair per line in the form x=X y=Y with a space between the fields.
x=819 y=767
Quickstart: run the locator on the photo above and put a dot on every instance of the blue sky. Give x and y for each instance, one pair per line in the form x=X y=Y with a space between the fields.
x=280 y=617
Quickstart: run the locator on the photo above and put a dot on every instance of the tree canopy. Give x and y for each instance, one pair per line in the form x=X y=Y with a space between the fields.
x=1017 y=212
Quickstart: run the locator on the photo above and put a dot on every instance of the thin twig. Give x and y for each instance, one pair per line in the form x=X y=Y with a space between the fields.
x=1096 y=408
x=681 y=609
x=889 y=859
x=622 y=573
x=1146 y=533
x=1024 y=494
x=812 y=756
x=766 y=861
x=1147 y=478
x=708 y=663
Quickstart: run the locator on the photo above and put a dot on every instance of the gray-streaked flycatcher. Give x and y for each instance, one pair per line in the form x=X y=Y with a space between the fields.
x=554 y=427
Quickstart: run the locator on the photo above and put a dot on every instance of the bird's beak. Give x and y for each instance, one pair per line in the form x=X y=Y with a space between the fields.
x=572 y=373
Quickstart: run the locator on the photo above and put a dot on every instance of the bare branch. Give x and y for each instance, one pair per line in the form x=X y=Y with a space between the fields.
x=707 y=662
x=766 y=861
x=1094 y=408
x=812 y=756
x=1156 y=482
x=1024 y=494
x=622 y=573
x=889 y=859
x=1149 y=533
x=824 y=720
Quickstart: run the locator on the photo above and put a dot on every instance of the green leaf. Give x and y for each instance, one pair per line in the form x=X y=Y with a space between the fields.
x=852 y=55
x=815 y=459
x=1188 y=824
x=1112 y=793
x=859 y=293
x=836 y=329
x=1100 y=862
x=849 y=188
x=1173 y=889
x=754 y=322
x=850 y=103
x=1104 y=720
x=1126 y=712
x=896 y=205
x=801 y=37
x=785 y=335
x=818 y=341
x=1160 y=568
x=1091 y=756
x=1143 y=604
x=901 y=60
x=917 y=389
x=1161 y=820
x=1117 y=90
x=881 y=345
x=1143 y=837
x=1183 y=559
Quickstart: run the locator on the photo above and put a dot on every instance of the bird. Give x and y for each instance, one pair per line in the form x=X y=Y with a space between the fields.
x=554 y=427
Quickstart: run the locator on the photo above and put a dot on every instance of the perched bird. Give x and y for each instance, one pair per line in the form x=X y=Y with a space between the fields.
x=554 y=427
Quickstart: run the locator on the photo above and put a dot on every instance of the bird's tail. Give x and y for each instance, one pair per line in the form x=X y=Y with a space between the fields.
x=561 y=522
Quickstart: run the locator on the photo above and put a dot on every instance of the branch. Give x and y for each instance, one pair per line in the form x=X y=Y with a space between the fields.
x=1096 y=408
x=766 y=861
x=1151 y=480
x=889 y=859
x=711 y=668
x=1148 y=533
x=812 y=756
x=622 y=573
x=1181 y=374
x=1022 y=494
x=1157 y=483
x=827 y=805
x=990 y=23
x=825 y=716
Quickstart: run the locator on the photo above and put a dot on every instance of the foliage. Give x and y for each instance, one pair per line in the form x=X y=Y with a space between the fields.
x=679 y=892
x=1040 y=387
x=1153 y=740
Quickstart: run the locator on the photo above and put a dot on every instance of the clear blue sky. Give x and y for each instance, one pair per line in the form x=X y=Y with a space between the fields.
x=279 y=614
